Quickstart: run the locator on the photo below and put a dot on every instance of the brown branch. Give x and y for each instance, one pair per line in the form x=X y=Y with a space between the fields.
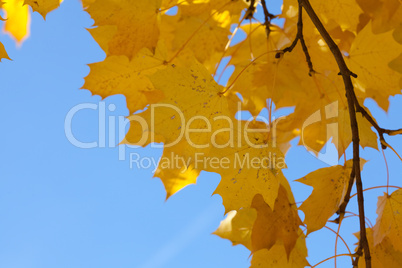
x=299 y=36
x=346 y=75
x=381 y=131
x=268 y=17
x=342 y=207
x=250 y=10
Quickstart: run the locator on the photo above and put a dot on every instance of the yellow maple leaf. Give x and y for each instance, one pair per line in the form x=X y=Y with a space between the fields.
x=192 y=100
x=343 y=12
x=385 y=14
x=174 y=170
x=369 y=58
x=255 y=168
x=202 y=39
x=326 y=115
x=383 y=255
x=135 y=20
x=389 y=220
x=276 y=256
x=330 y=186
x=102 y=35
x=200 y=29
x=256 y=44
x=224 y=11
x=278 y=224
x=18 y=19
x=237 y=226
x=119 y=75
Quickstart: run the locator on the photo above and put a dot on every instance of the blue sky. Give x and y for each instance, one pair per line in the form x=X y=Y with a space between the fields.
x=62 y=206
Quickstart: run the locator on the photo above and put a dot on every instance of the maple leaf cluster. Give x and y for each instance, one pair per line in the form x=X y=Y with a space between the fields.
x=167 y=68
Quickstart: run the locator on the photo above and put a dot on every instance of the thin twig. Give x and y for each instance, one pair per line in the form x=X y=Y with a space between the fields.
x=346 y=75
x=381 y=131
x=299 y=36
x=342 y=207
x=268 y=17
x=250 y=10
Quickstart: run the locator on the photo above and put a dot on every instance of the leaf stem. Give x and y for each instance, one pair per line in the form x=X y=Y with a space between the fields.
x=381 y=131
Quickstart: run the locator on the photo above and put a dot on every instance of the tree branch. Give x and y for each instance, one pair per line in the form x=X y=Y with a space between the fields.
x=381 y=131
x=342 y=207
x=299 y=36
x=346 y=73
x=268 y=17
x=250 y=10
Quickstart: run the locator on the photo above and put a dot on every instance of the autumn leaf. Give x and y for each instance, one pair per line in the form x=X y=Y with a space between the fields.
x=175 y=175
x=383 y=255
x=278 y=224
x=346 y=12
x=200 y=30
x=3 y=53
x=135 y=20
x=201 y=103
x=237 y=226
x=389 y=221
x=330 y=184
x=385 y=15
x=369 y=58
x=276 y=256
x=119 y=75
x=18 y=19
x=170 y=67
x=43 y=6
x=253 y=158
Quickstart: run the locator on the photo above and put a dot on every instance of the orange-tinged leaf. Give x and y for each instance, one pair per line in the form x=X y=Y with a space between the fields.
x=237 y=226
x=389 y=220
x=330 y=186
x=280 y=224
x=383 y=255
x=43 y=6
x=3 y=53
x=103 y=34
x=397 y=34
x=385 y=14
x=18 y=19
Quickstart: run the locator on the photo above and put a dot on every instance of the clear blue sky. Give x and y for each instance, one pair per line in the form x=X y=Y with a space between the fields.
x=62 y=206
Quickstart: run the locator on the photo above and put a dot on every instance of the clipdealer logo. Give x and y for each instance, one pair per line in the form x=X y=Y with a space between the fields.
x=110 y=125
